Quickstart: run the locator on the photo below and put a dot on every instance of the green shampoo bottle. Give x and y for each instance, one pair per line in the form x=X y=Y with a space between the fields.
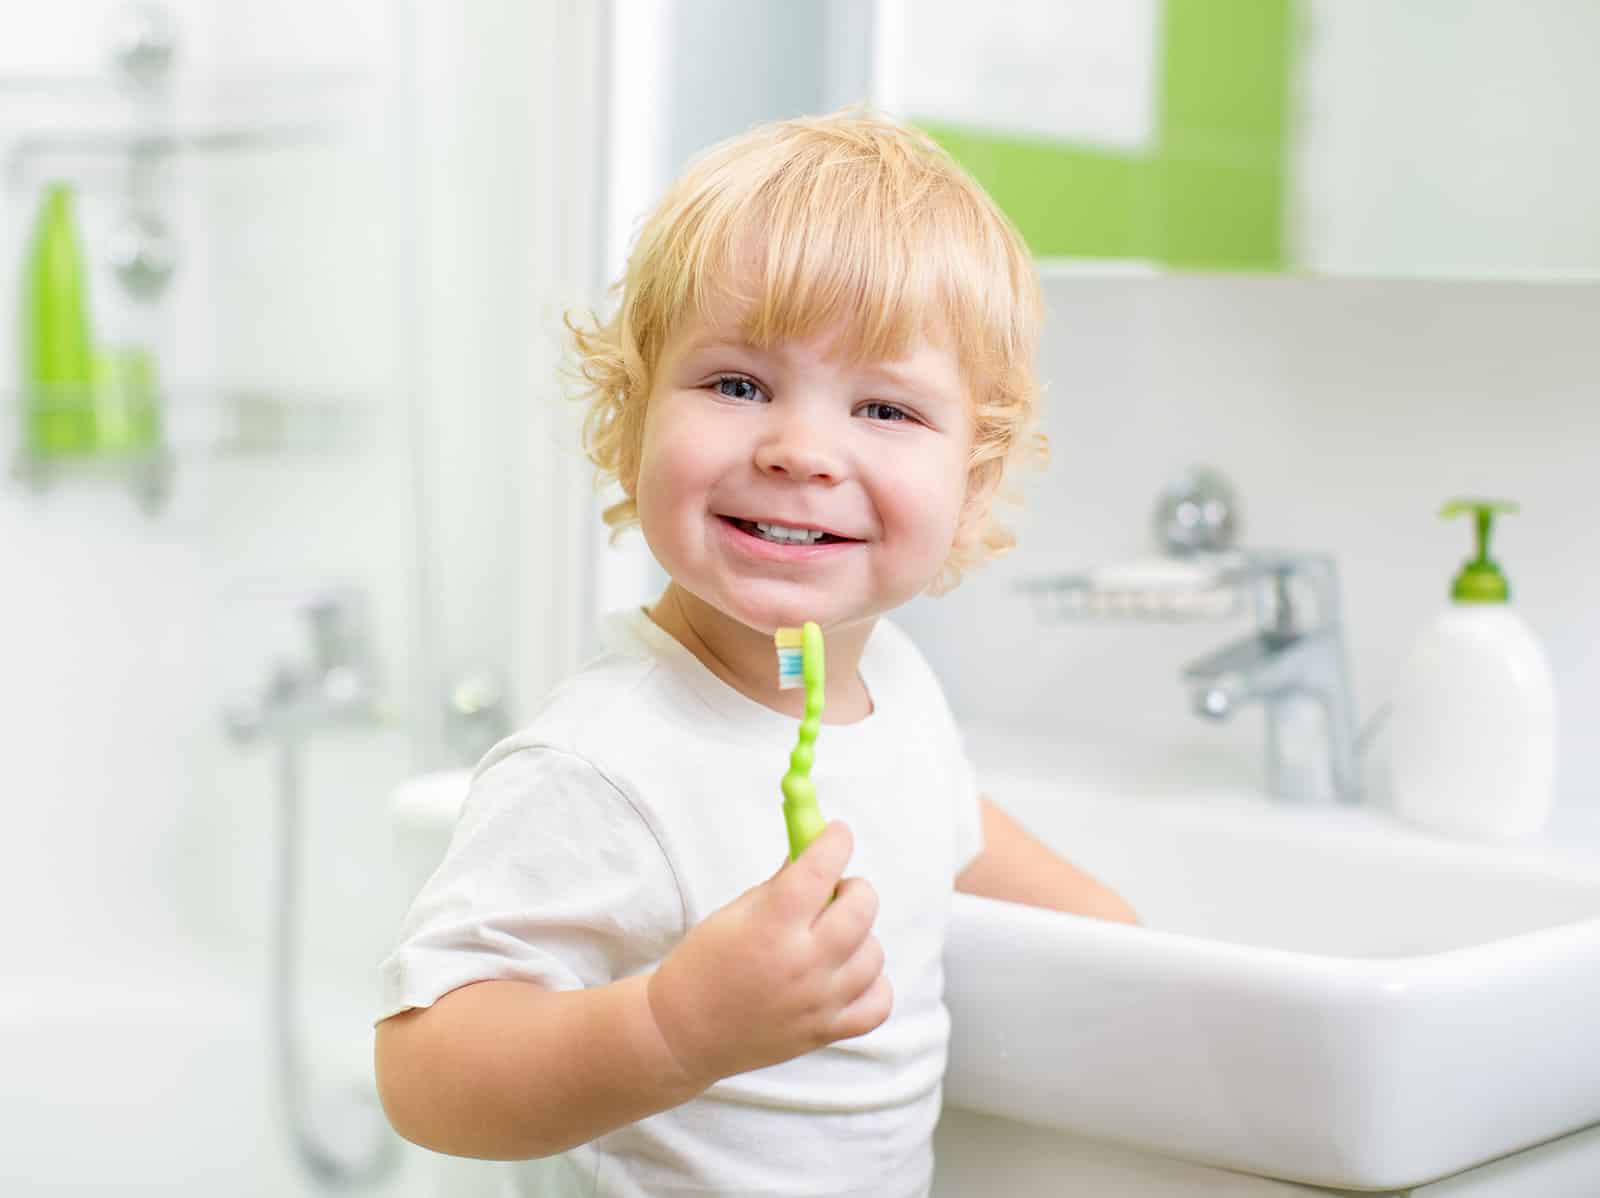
x=57 y=355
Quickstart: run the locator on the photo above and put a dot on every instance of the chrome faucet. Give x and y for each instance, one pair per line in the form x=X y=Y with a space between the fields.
x=1294 y=665
x=335 y=685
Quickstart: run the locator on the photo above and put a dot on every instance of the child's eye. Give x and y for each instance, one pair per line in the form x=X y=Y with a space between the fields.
x=878 y=410
x=736 y=386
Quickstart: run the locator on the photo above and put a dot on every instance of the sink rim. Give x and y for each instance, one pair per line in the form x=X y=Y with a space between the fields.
x=1389 y=973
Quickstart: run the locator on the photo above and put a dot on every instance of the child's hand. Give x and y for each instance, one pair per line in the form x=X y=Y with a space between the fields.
x=777 y=972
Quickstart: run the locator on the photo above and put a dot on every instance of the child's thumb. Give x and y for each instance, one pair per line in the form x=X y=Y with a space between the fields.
x=806 y=883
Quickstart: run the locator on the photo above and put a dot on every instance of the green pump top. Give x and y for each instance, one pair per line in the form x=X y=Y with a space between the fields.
x=1480 y=579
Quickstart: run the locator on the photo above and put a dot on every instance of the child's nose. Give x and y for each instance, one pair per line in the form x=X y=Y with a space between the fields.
x=799 y=452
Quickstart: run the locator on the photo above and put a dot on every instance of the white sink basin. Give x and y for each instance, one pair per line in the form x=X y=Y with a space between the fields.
x=1318 y=994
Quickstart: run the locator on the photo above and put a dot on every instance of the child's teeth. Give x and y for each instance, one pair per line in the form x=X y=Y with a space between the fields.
x=782 y=532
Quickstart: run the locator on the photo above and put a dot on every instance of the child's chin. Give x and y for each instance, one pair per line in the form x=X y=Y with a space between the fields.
x=766 y=607
x=831 y=616
x=767 y=618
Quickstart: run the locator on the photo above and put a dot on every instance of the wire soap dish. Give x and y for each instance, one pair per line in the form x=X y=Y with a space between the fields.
x=1161 y=590
x=1199 y=575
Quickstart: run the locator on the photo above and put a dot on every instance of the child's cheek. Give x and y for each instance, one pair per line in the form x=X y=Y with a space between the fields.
x=677 y=469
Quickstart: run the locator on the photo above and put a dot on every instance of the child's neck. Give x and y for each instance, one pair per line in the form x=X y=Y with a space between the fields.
x=746 y=660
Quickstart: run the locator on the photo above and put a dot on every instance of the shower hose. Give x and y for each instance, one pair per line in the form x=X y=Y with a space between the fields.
x=342 y=1138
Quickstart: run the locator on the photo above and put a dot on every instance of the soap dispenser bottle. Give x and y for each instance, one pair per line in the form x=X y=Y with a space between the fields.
x=1473 y=726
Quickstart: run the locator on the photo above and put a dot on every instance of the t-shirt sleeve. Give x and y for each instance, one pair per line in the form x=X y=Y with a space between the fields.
x=552 y=876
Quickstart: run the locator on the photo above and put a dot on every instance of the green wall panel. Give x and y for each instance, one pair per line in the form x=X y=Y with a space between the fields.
x=1067 y=201
x=1209 y=192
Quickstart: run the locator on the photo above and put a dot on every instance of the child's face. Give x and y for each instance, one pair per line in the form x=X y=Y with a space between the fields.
x=875 y=454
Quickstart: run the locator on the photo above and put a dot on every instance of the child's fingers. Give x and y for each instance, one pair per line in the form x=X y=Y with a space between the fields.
x=806 y=884
x=856 y=976
x=844 y=923
x=866 y=1012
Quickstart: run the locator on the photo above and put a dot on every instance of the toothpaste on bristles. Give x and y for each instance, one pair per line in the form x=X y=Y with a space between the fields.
x=791 y=657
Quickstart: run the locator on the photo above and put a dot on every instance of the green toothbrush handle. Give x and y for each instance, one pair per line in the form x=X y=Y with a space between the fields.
x=801 y=814
x=800 y=811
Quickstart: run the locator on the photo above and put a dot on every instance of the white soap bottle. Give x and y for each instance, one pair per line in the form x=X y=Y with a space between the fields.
x=1473 y=727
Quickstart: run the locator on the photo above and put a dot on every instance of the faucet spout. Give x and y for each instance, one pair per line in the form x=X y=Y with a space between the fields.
x=1231 y=677
x=1219 y=700
x=1252 y=670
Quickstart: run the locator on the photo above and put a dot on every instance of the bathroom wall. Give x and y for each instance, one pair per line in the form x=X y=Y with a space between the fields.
x=1344 y=411
x=125 y=633
x=394 y=274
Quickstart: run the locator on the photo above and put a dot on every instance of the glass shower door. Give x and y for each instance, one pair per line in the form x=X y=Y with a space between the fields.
x=225 y=650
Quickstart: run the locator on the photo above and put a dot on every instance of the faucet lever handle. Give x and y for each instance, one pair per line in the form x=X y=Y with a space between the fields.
x=336 y=620
x=1293 y=593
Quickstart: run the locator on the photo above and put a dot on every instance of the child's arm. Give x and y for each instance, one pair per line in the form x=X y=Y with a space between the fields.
x=1018 y=868
x=509 y=1070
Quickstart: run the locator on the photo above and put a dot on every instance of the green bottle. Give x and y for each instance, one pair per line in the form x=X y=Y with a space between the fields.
x=57 y=350
x=126 y=416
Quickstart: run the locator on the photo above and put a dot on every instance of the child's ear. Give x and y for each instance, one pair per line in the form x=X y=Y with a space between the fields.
x=628 y=474
x=982 y=482
x=632 y=458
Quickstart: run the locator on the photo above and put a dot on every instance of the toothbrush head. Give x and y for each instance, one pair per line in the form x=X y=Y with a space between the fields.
x=790 y=643
x=800 y=659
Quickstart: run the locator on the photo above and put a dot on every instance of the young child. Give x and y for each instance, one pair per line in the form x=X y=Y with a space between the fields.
x=818 y=375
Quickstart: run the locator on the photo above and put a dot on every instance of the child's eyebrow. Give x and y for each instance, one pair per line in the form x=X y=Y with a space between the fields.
x=910 y=380
x=711 y=341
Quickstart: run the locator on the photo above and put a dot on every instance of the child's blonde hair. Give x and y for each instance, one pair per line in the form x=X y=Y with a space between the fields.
x=848 y=217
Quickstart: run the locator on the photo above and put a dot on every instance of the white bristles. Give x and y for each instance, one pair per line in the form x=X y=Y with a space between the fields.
x=789 y=669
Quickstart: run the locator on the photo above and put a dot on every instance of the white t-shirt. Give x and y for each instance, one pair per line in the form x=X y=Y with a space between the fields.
x=643 y=797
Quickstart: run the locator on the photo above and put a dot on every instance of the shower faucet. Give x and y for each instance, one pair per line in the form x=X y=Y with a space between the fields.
x=336 y=686
x=1294 y=665
x=340 y=1136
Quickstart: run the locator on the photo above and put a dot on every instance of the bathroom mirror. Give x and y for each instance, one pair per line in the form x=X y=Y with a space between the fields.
x=1345 y=137
x=1430 y=138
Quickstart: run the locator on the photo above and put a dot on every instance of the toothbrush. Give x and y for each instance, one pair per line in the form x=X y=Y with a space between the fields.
x=800 y=664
